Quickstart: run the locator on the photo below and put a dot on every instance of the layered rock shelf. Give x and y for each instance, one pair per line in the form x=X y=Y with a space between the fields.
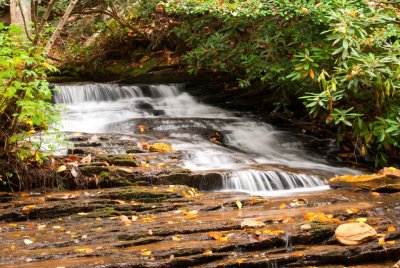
x=178 y=226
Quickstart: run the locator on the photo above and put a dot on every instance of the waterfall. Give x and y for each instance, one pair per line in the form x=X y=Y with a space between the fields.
x=209 y=139
x=269 y=182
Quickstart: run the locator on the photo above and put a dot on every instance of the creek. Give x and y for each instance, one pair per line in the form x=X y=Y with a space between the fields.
x=252 y=156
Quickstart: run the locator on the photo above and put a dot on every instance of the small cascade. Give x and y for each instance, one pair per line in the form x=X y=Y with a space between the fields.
x=95 y=92
x=208 y=139
x=288 y=242
x=264 y=182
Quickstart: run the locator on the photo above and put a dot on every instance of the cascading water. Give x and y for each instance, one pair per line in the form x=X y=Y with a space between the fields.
x=250 y=154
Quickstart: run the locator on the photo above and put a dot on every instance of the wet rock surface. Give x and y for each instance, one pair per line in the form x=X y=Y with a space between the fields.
x=386 y=180
x=178 y=226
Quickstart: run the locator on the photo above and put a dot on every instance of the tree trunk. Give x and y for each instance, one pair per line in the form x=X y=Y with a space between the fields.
x=60 y=26
x=21 y=15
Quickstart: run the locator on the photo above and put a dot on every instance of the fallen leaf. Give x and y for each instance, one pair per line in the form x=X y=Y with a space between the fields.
x=27 y=209
x=73 y=158
x=74 y=173
x=215 y=235
x=207 y=252
x=361 y=219
x=28 y=242
x=61 y=169
x=121 y=202
x=134 y=218
x=86 y=250
x=240 y=261
x=87 y=159
x=146 y=253
x=251 y=223
x=239 y=204
x=124 y=219
x=277 y=232
x=391 y=229
x=352 y=211
x=82 y=213
x=282 y=206
x=42 y=226
x=150 y=232
x=391 y=242
x=176 y=238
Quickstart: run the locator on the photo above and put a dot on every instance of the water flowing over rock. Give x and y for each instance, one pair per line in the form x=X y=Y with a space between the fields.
x=250 y=155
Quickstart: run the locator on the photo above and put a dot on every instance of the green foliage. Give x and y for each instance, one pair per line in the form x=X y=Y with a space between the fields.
x=25 y=96
x=340 y=57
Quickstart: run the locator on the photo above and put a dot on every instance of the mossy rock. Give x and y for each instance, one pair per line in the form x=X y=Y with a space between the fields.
x=119 y=160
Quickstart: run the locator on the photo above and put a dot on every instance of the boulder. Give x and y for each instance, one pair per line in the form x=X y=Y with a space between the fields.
x=351 y=234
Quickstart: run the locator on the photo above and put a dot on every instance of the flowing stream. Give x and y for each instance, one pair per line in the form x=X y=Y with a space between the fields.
x=253 y=156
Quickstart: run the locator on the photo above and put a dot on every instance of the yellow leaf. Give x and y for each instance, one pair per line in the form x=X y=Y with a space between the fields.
x=362 y=220
x=28 y=209
x=276 y=232
x=42 y=226
x=192 y=212
x=381 y=241
x=240 y=261
x=282 y=206
x=61 y=169
x=134 y=218
x=312 y=74
x=146 y=253
x=215 y=235
x=391 y=229
x=239 y=204
x=223 y=239
x=176 y=238
x=82 y=213
x=207 y=252
x=85 y=250
x=147 y=219
x=391 y=242
x=363 y=150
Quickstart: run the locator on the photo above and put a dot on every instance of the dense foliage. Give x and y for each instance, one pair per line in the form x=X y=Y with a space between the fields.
x=340 y=57
x=25 y=101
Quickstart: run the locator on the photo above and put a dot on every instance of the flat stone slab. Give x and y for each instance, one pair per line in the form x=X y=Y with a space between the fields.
x=387 y=180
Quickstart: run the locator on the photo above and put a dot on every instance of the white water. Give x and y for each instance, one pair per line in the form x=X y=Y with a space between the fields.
x=169 y=114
